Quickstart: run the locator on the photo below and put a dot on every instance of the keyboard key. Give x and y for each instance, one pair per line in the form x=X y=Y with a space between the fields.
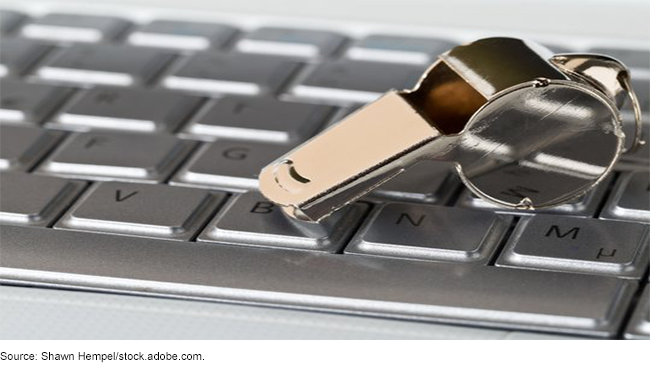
x=74 y=28
x=229 y=164
x=142 y=209
x=630 y=57
x=106 y=64
x=19 y=54
x=361 y=285
x=429 y=232
x=291 y=42
x=258 y=119
x=9 y=20
x=27 y=199
x=579 y=245
x=29 y=103
x=557 y=49
x=251 y=220
x=639 y=326
x=343 y=112
x=355 y=81
x=182 y=35
x=127 y=109
x=235 y=73
x=630 y=198
x=427 y=182
x=22 y=146
x=388 y=48
x=112 y=155
x=584 y=206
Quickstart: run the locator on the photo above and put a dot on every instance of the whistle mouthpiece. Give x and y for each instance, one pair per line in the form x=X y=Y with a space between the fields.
x=347 y=160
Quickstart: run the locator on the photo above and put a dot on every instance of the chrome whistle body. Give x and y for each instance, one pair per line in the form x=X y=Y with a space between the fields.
x=526 y=129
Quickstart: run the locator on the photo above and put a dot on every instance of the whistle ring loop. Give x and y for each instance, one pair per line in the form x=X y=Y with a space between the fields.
x=638 y=140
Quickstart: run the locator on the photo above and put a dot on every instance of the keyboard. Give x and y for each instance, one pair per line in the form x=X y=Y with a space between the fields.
x=130 y=151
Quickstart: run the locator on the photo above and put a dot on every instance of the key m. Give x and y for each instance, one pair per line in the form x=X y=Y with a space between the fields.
x=556 y=230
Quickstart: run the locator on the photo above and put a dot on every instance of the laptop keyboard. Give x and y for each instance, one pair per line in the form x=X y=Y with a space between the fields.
x=130 y=155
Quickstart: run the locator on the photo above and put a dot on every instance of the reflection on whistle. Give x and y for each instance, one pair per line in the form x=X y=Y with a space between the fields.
x=501 y=154
x=565 y=166
x=565 y=109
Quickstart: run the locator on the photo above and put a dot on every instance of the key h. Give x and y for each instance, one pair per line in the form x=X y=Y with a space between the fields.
x=525 y=129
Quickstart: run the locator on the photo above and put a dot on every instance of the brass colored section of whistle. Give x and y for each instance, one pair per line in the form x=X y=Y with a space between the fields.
x=313 y=173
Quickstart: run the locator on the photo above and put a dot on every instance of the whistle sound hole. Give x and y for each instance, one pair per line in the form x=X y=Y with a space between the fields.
x=446 y=100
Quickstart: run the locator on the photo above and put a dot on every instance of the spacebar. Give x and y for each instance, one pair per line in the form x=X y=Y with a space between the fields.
x=450 y=293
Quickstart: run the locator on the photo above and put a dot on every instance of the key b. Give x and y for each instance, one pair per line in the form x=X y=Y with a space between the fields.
x=526 y=129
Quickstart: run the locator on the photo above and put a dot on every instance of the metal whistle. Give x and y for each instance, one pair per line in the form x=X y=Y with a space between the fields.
x=525 y=129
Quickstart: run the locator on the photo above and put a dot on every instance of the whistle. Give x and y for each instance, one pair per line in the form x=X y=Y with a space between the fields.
x=524 y=128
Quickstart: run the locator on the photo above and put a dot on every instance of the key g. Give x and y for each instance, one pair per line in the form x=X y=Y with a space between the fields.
x=526 y=129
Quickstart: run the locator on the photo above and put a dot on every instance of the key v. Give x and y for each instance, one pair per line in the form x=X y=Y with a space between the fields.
x=120 y=198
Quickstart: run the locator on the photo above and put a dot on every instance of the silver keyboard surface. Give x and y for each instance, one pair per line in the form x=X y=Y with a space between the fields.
x=129 y=158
